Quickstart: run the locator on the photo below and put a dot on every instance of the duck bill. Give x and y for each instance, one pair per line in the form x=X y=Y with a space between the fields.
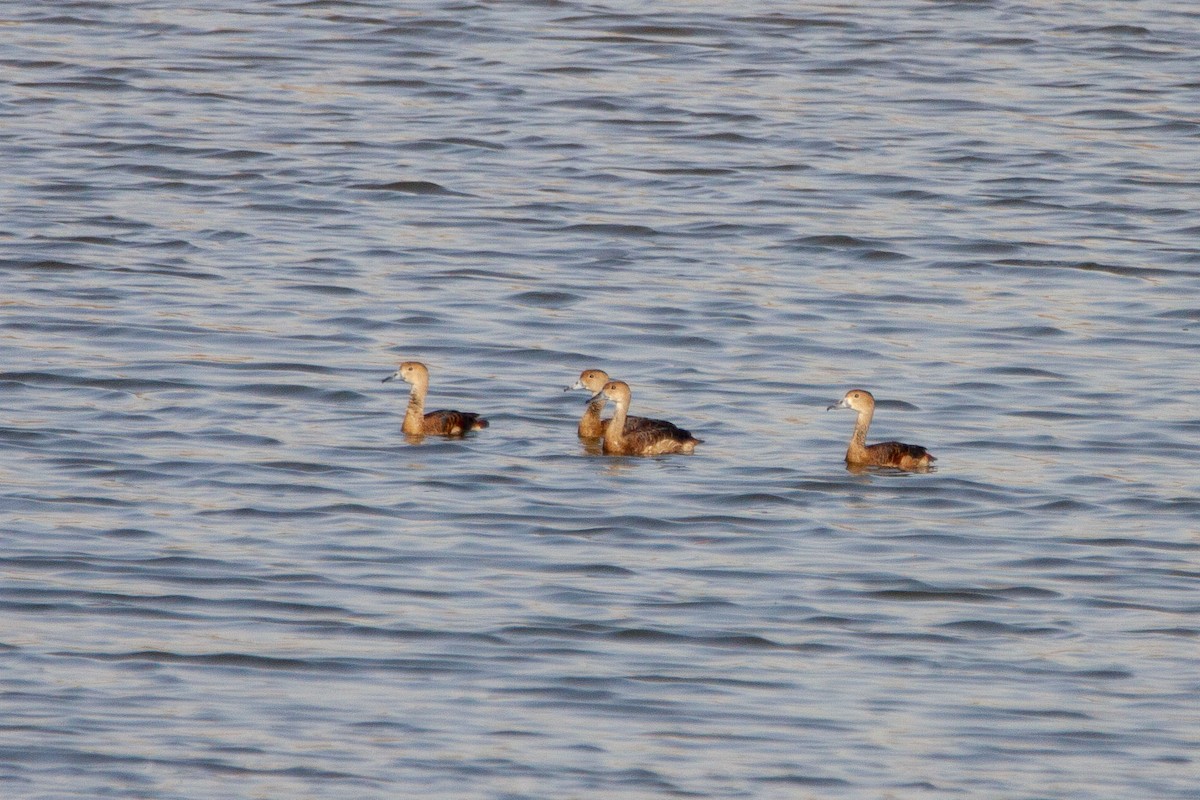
x=575 y=385
x=839 y=404
x=395 y=374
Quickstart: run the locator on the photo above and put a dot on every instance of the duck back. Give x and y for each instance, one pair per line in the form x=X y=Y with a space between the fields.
x=594 y=429
x=453 y=423
x=654 y=437
x=898 y=454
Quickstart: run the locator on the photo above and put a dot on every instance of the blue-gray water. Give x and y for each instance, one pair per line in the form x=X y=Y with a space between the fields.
x=225 y=573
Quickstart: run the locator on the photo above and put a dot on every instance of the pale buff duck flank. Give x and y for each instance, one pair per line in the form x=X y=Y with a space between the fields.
x=416 y=421
x=883 y=454
x=590 y=424
x=620 y=441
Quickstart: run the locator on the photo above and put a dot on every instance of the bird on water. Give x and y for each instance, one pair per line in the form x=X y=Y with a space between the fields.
x=621 y=441
x=590 y=424
x=883 y=454
x=416 y=421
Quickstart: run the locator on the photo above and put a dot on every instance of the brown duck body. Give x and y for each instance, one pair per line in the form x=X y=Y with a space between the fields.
x=435 y=423
x=884 y=454
x=660 y=439
x=591 y=426
x=445 y=423
x=891 y=454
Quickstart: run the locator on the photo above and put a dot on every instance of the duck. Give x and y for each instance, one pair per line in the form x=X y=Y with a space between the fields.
x=619 y=440
x=884 y=454
x=443 y=423
x=590 y=424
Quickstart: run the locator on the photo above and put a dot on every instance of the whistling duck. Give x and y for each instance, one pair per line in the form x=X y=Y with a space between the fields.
x=590 y=424
x=621 y=441
x=883 y=454
x=416 y=421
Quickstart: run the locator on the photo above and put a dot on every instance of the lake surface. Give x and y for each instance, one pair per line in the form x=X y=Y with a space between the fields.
x=224 y=572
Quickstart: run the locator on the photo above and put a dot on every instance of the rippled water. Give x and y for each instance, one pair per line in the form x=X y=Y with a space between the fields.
x=225 y=572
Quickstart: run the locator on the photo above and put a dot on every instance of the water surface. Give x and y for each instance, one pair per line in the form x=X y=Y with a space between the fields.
x=225 y=571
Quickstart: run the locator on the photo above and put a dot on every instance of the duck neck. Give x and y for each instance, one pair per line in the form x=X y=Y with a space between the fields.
x=615 y=433
x=589 y=425
x=858 y=439
x=414 y=417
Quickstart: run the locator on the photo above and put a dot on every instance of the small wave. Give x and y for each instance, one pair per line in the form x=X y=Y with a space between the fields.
x=810 y=781
x=237 y=660
x=611 y=229
x=546 y=299
x=671 y=31
x=933 y=595
x=992 y=628
x=1109 y=30
x=1033 y=331
x=409 y=187
x=47 y=264
x=1025 y=372
x=327 y=289
x=1093 y=266
x=456 y=142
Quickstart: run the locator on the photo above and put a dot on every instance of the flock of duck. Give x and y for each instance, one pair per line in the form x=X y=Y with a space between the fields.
x=625 y=435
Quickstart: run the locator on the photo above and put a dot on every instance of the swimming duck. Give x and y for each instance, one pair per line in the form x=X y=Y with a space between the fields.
x=619 y=440
x=416 y=421
x=883 y=454
x=590 y=424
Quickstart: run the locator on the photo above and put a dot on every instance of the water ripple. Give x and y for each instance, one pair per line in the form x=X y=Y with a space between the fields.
x=226 y=224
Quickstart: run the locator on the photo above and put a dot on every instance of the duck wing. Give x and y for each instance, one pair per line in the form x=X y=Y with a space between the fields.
x=453 y=423
x=641 y=424
x=893 y=454
x=663 y=437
